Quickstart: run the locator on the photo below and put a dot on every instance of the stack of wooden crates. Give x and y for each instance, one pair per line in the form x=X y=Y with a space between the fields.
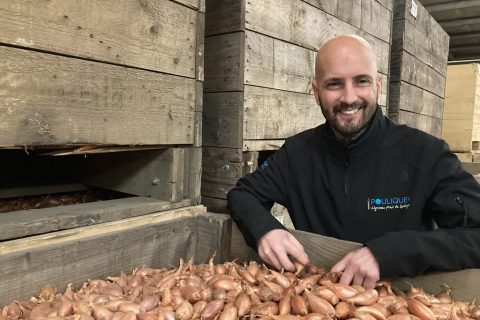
x=461 y=117
x=259 y=63
x=418 y=66
x=101 y=77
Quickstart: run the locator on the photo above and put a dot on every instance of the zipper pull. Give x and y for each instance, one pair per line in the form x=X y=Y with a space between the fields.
x=462 y=204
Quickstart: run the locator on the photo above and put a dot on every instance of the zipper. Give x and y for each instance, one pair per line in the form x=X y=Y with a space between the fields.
x=465 y=213
x=345 y=176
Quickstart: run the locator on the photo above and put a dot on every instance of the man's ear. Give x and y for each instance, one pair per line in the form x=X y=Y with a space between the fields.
x=315 y=90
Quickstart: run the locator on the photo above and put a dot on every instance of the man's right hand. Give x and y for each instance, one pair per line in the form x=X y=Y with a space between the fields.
x=277 y=245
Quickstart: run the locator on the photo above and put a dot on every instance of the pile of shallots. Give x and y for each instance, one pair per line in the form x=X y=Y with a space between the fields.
x=231 y=291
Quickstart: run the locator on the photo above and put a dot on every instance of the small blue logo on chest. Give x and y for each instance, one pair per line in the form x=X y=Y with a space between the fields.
x=388 y=203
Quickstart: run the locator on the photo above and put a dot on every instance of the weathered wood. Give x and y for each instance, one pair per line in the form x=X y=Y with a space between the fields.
x=351 y=12
x=293 y=21
x=198 y=123
x=23 y=223
x=200 y=47
x=464 y=157
x=194 y=4
x=202 y=6
x=275 y=114
x=48 y=99
x=250 y=161
x=214 y=237
x=224 y=16
x=223 y=119
x=222 y=167
x=387 y=4
x=259 y=145
x=193 y=174
x=405 y=67
x=376 y=19
x=224 y=62
x=414 y=99
x=157 y=173
x=277 y=64
x=461 y=118
x=215 y=204
x=14 y=192
x=422 y=122
x=58 y=258
x=329 y=6
x=155 y=35
x=422 y=36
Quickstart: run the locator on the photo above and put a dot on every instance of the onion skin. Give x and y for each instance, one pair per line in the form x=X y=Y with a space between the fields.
x=299 y=306
x=148 y=303
x=100 y=313
x=212 y=309
x=243 y=304
x=268 y=308
x=229 y=313
x=284 y=305
x=184 y=311
x=419 y=309
x=344 y=310
x=319 y=305
x=327 y=294
x=342 y=291
x=366 y=298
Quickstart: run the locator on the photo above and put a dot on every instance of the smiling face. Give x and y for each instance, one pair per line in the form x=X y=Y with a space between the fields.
x=346 y=84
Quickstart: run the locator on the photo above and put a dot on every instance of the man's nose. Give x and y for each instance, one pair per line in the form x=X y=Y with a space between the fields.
x=349 y=95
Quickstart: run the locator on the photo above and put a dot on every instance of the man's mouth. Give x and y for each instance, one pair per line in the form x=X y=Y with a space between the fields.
x=350 y=111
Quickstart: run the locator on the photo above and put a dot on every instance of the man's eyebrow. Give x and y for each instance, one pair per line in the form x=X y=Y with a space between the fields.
x=333 y=79
x=363 y=76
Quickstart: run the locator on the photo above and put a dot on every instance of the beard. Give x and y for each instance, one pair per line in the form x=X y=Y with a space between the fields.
x=349 y=128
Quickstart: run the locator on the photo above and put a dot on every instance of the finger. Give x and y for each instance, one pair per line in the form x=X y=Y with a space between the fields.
x=341 y=265
x=285 y=261
x=270 y=258
x=358 y=278
x=295 y=249
x=369 y=283
x=346 y=277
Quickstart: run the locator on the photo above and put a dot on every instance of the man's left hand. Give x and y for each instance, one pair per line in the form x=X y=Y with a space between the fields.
x=359 y=267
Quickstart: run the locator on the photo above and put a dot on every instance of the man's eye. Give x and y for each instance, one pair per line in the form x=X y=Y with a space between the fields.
x=333 y=85
x=363 y=82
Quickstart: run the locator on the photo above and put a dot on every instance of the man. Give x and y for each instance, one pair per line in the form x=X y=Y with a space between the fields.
x=362 y=178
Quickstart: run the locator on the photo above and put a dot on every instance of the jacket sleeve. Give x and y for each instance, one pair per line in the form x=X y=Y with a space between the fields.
x=453 y=200
x=249 y=203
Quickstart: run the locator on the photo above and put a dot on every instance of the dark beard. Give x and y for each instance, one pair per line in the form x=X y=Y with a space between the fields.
x=350 y=130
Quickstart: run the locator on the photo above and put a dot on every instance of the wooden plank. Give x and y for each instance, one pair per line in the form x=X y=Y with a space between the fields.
x=425 y=123
x=376 y=19
x=193 y=174
x=224 y=16
x=214 y=233
x=202 y=6
x=415 y=99
x=250 y=161
x=382 y=98
x=328 y=6
x=292 y=21
x=215 y=204
x=351 y=11
x=464 y=157
x=222 y=119
x=222 y=167
x=224 y=62
x=405 y=67
x=23 y=223
x=155 y=35
x=156 y=240
x=259 y=145
x=156 y=173
x=459 y=110
x=198 y=122
x=200 y=47
x=194 y=4
x=48 y=99
x=39 y=190
x=387 y=4
x=277 y=64
x=275 y=114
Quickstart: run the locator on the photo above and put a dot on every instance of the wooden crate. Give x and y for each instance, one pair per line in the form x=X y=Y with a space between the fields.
x=461 y=115
x=418 y=63
x=93 y=77
x=259 y=63
x=160 y=240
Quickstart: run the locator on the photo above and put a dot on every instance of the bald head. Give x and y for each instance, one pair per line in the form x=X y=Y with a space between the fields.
x=344 y=49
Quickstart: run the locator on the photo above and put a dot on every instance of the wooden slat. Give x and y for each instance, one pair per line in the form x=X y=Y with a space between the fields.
x=194 y=4
x=47 y=99
x=198 y=122
x=158 y=174
x=259 y=145
x=156 y=35
x=39 y=190
x=329 y=6
x=292 y=21
x=214 y=236
x=405 y=67
x=415 y=99
x=23 y=223
x=459 y=114
x=277 y=64
x=224 y=16
x=351 y=12
x=200 y=47
x=275 y=114
x=376 y=19
x=156 y=240
x=193 y=174
x=224 y=62
x=387 y=4
x=222 y=167
x=215 y=204
x=425 y=123
x=222 y=119
x=422 y=36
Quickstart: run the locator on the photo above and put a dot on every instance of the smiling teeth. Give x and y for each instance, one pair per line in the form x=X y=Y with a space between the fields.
x=349 y=111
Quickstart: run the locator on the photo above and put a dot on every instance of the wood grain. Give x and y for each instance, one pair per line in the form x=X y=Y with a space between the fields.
x=52 y=100
x=224 y=16
x=152 y=34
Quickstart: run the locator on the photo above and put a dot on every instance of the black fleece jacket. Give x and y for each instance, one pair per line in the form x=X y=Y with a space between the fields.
x=397 y=190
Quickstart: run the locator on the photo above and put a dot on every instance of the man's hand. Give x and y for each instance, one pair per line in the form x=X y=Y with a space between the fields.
x=359 y=267
x=277 y=245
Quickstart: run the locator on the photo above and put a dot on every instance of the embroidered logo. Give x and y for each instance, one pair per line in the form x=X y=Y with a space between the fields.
x=264 y=165
x=384 y=204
